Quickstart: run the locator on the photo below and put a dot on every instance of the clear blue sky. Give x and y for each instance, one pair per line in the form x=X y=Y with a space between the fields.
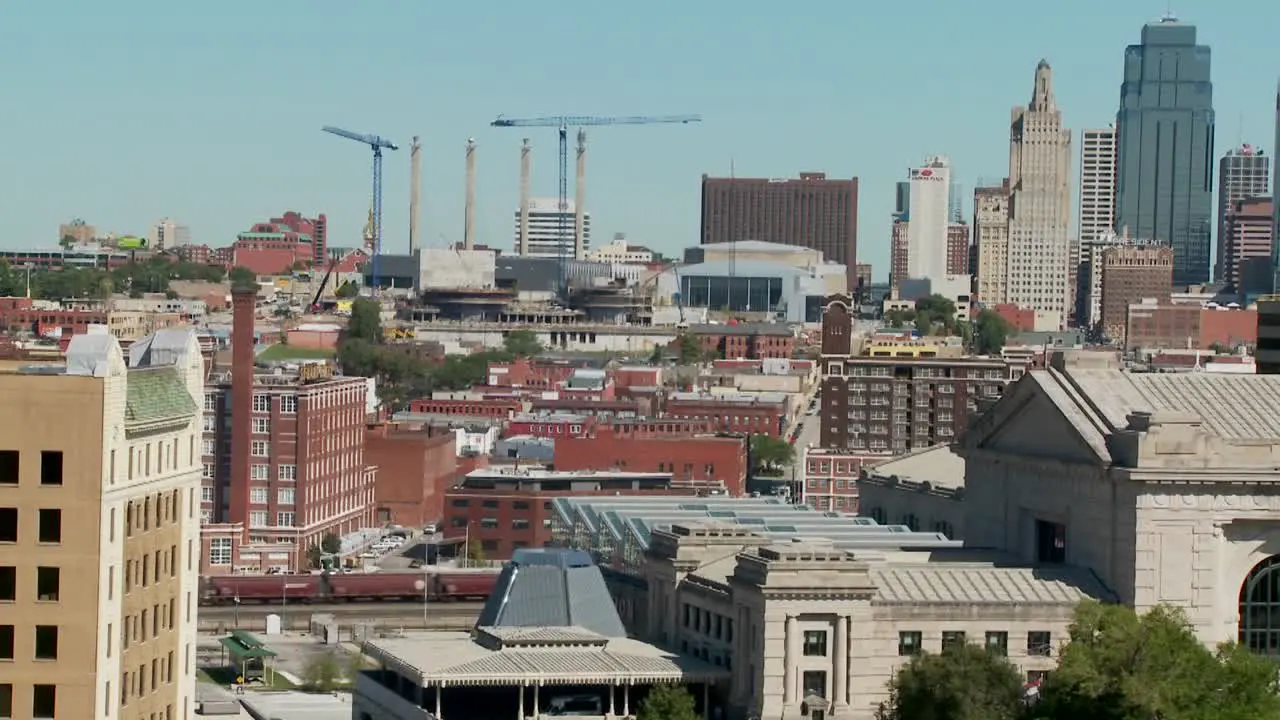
x=123 y=112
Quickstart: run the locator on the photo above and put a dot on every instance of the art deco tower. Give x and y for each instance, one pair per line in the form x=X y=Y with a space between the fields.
x=1039 y=255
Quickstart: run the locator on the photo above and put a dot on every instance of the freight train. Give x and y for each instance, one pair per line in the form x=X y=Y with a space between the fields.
x=349 y=587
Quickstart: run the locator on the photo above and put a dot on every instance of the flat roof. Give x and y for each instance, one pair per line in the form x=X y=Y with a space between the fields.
x=294 y=705
x=550 y=655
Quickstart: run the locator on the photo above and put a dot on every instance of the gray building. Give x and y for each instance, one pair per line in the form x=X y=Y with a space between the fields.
x=1165 y=185
x=1243 y=173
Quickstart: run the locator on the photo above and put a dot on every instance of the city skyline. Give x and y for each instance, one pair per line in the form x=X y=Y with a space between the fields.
x=102 y=178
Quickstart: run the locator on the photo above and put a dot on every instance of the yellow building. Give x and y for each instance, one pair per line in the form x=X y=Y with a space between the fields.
x=99 y=530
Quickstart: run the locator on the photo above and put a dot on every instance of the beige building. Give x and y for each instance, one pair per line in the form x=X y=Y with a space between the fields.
x=991 y=237
x=1097 y=184
x=1040 y=248
x=98 y=531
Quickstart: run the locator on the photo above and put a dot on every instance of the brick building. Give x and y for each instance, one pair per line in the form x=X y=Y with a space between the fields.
x=1154 y=325
x=830 y=480
x=415 y=468
x=900 y=251
x=705 y=462
x=283 y=459
x=548 y=425
x=893 y=405
x=504 y=509
x=750 y=341
x=490 y=408
x=1246 y=244
x=1130 y=274
x=275 y=246
x=759 y=414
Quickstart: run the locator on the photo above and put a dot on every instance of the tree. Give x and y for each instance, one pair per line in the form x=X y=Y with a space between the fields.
x=365 y=322
x=770 y=454
x=331 y=544
x=1119 y=665
x=522 y=343
x=347 y=290
x=965 y=682
x=315 y=556
x=243 y=278
x=667 y=702
x=935 y=311
x=67 y=242
x=689 y=349
x=990 y=331
x=322 y=673
x=899 y=318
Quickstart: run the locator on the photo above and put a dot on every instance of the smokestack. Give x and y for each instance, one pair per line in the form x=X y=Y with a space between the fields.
x=469 y=230
x=579 y=201
x=522 y=241
x=415 y=192
x=243 y=302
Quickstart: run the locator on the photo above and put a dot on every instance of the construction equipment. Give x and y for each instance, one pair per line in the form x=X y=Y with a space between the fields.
x=324 y=282
x=377 y=144
x=563 y=123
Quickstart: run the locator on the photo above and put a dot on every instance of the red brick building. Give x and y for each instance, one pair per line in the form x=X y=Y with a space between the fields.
x=506 y=508
x=751 y=414
x=275 y=246
x=18 y=314
x=531 y=373
x=751 y=341
x=415 y=468
x=597 y=408
x=831 y=478
x=1167 y=325
x=705 y=462
x=289 y=470
x=554 y=426
x=491 y=408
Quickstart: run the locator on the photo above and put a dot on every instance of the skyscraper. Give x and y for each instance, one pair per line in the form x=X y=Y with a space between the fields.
x=928 y=220
x=546 y=223
x=1097 y=184
x=1275 y=206
x=1164 y=189
x=1039 y=258
x=1243 y=173
x=991 y=237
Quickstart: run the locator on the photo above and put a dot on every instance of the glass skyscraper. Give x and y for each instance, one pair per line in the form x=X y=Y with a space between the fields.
x=1165 y=166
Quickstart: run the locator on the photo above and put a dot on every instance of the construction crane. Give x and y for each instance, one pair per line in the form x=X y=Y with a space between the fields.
x=563 y=123
x=377 y=144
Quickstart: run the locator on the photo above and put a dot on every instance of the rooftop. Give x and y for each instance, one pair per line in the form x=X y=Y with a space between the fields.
x=757 y=328
x=544 y=589
x=740 y=398
x=938 y=466
x=528 y=473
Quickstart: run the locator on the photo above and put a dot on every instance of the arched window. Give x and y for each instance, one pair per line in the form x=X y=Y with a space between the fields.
x=1260 y=608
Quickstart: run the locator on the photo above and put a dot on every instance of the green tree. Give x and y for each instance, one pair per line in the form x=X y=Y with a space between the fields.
x=769 y=455
x=990 y=331
x=522 y=343
x=1119 y=665
x=243 y=277
x=322 y=673
x=965 y=682
x=934 y=313
x=347 y=290
x=365 y=322
x=667 y=702
x=475 y=551
x=899 y=318
x=689 y=349
x=315 y=556
x=331 y=543
x=67 y=242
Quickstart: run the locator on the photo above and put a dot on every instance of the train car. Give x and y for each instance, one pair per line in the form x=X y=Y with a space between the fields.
x=352 y=587
x=229 y=589
x=447 y=586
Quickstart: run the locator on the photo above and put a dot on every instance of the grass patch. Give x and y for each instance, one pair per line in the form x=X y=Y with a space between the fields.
x=226 y=677
x=282 y=352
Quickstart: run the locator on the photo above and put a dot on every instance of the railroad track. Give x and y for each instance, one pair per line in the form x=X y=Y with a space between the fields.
x=372 y=615
x=370 y=609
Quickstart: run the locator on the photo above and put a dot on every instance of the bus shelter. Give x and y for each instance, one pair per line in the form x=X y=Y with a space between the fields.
x=251 y=659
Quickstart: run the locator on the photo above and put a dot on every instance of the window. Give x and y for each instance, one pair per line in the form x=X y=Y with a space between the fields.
x=261 y=426
x=6 y=700
x=461 y=503
x=220 y=551
x=260 y=448
x=260 y=472
x=258 y=495
x=285 y=519
x=6 y=642
x=289 y=403
x=1051 y=542
x=8 y=583
x=50 y=526
x=46 y=642
x=50 y=467
x=520 y=505
x=9 y=525
x=489 y=523
x=9 y=465
x=815 y=643
x=1039 y=643
x=910 y=642
x=262 y=403
x=48 y=582
x=458 y=521
x=952 y=639
x=814 y=682
x=288 y=472
x=520 y=524
x=206 y=494
x=258 y=518
x=210 y=402
x=998 y=643
x=44 y=702
x=491 y=504
x=284 y=496
x=208 y=447
x=207 y=470
x=209 y=423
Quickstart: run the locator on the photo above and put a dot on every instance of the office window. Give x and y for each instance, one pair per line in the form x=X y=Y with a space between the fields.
x=952 y=639
x=220 y=551
x=206 y=494
x=50 y=526
x=8 y=583
x=261 y=426
x=260 y=448
x=262 y=403
x=44 y=702
x=998 y=643
x=207 y=470
x=46 y=642
x=260 y=472
x=1039 y=643
x=6 y=700
x=814 y=682
x=289 y=403
x=288 y=472
x=208 y=447
x=284 y=496
x=9 y=464
x=210 y=402
x=209 y=423
x=48 y=582
x=258 y=495
x=50 y=467
x=8 y=524
x=815 y=643
x=258 y=518
x=520 y=524
x=910 y=642
x=6 y=642
x=285 y=519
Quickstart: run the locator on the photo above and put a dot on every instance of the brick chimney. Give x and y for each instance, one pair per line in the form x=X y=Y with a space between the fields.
x=243 y=302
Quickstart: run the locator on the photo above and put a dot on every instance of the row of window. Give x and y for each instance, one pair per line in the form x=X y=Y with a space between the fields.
x=51 y=464
x=134 y=684
x=48 y=525
x=44 y=701
x=488 y=523
x=140 y=571
x=495 y=504
x=707 y=623
x=1039 y=642
x=48 y=586
x=145 y=625
x=46 y=643
x=148 y=514
x=285 y=472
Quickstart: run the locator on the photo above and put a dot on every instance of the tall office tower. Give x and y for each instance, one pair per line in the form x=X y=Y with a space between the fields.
x=167 y=234
x=1040 y=204
x=927 y=227
x=955 y=202
x=1164 y=181
x=1275 y=205
x=1097 y=216
x=902 y=199
x=958 y=248
x=1243 y=174
x=898 y=254
x=99 y=534
x=546 y=223
x=1246 y=247
x=813 y=212
x=991 y=238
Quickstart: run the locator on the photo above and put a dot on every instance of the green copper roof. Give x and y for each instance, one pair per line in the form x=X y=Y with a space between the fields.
x=157 y=394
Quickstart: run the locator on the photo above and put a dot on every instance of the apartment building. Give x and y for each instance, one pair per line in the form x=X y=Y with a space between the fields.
x=991 y=239
x=98 y=530
x=1131 y=274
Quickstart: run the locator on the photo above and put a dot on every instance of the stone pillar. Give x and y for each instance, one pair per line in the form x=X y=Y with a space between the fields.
x=613 y=691
x=840 y=688
x=706 y=701
x=520 y=704
x=626 y=700
x=789 y=658
x=439 y=692
x=536 y=703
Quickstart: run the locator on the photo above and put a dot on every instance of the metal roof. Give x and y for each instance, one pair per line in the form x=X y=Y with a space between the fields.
x=985 y=584
x=552 y=589
x=638 y=516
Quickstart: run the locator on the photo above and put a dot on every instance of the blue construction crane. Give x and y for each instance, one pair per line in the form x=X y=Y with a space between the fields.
x=563 y=123
x=377 y=144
